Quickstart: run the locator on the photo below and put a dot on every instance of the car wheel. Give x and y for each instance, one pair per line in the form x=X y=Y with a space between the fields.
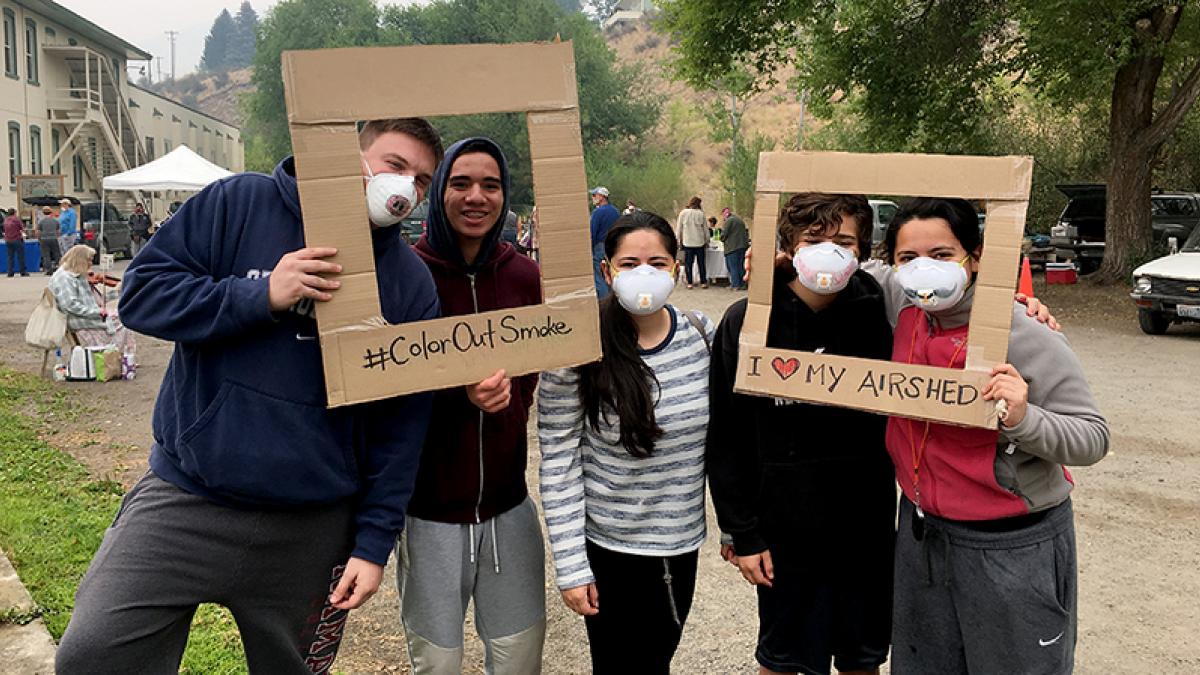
x=1153 y=323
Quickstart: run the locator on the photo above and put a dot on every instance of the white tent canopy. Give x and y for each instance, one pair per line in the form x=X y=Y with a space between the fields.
x=180 y=169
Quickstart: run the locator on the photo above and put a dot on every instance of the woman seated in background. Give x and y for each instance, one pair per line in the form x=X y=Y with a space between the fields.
x=75 y=296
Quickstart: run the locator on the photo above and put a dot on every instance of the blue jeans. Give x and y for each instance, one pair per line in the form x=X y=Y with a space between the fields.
x=695 y=255
x=735 y=262
x=602 y=289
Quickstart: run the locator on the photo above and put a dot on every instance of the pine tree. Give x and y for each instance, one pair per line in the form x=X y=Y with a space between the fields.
x=245 y=37
x=218 y=42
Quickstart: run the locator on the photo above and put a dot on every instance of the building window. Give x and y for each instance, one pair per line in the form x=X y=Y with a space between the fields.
x=31 y=51
x=166 y=146
x=35 y=150
x=77 y=172
x=10 y=43
x=149 y=148
x=14 y=153
x=55 y=146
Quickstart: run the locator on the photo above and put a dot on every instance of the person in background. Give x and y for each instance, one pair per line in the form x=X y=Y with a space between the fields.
x=14 y=241
x=68 y=225
x=630 y=207
x=693 y=234
x=622 y=473
x=94 y=325
x=48 y=228
x=736 y=238
x=473 y=536
x=139 y=228
x=985 y=568
x=603 y=217
x=512 y=229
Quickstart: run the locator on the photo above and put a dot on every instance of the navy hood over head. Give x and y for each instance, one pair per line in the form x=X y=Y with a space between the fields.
x=438 y=230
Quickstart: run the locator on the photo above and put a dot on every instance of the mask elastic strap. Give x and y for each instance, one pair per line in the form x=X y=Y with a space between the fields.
x=370 y=173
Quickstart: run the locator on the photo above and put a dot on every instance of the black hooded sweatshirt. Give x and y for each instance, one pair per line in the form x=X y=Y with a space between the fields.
x=808 y=482
x=473 y=463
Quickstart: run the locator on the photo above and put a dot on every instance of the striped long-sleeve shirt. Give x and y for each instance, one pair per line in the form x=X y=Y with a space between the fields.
x=593 y=489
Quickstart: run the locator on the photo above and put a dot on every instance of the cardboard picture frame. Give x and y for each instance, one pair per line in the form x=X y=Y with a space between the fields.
x=941 y=394
x=327 y=93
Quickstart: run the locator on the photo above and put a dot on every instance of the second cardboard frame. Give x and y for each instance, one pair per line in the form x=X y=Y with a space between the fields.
x=945 y=394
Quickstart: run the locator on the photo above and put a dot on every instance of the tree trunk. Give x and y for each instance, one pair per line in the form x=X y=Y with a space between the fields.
x=1127 y=215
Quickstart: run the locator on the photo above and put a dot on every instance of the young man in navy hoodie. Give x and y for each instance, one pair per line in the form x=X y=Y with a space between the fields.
x=473 y=531
x=258 y=497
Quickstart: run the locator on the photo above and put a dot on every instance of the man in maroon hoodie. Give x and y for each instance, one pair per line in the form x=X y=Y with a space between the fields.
x=473 y=532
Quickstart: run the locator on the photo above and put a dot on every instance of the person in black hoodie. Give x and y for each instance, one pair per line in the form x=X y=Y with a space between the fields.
x=258 y=497
x=473 y=531
x=807 y=491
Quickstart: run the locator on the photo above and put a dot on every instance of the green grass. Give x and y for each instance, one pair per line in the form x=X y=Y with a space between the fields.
x=53 y=516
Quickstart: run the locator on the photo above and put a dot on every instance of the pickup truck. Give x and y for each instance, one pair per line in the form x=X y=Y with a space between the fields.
x=1167 y=290
x=1079 y=234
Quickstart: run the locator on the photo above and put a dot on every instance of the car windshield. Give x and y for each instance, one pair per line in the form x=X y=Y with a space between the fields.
x=91 y=212
x=1085 y=207
x=1193 y=242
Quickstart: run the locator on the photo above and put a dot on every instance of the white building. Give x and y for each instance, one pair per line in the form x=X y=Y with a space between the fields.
x=629 y=11
x=69 y=108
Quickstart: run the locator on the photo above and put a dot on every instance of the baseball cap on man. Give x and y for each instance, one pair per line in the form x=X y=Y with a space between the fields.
x=600 y=191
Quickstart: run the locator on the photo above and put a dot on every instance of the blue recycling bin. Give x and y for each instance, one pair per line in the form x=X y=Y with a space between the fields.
x=33 y=257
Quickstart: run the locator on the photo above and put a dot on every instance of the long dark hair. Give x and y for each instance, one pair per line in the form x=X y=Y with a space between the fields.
x=622 y=382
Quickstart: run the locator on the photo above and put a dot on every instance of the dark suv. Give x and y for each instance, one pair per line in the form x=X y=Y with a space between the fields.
x=1079 y=234
x=116 y=228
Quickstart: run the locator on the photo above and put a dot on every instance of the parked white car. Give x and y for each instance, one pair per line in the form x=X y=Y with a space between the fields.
x=1167 y=290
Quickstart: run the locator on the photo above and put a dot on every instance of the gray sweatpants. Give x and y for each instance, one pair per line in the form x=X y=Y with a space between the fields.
x=168 y=550
x=968 y=601
x=498 y=563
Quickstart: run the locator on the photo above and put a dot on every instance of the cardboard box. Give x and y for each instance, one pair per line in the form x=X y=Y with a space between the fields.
x=364 y=358
x=941 y=394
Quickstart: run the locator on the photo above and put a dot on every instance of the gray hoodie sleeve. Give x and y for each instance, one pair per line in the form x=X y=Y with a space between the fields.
x=893 y=294
x=1063 y=423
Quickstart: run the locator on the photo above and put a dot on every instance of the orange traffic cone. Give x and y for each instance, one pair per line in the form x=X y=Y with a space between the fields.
x=1025 y=286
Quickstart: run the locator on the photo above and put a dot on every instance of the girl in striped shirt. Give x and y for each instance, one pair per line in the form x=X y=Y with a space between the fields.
x=622 y=473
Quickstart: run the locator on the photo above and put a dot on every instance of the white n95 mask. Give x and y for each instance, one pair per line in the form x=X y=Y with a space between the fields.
x=824 y=268
x=933 y=285
x=643 y=289
x=390 y=197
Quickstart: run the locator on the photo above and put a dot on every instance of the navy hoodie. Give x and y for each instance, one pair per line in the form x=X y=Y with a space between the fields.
x=241 y=416
x=474 y=462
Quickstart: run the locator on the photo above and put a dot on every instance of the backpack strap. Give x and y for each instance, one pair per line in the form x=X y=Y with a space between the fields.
x=694 y=319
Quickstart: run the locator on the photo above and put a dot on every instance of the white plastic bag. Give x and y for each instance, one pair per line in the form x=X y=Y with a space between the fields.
x=47 y=325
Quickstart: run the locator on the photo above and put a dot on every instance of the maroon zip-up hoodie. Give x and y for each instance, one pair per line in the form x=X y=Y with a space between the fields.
x=473 y=463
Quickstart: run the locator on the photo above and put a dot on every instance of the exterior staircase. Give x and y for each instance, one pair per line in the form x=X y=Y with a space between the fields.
x=93 y=116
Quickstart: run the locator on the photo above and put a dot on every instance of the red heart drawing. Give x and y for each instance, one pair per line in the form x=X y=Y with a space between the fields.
x=786 y=368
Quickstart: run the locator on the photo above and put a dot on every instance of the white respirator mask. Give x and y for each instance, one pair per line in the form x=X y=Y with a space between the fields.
x=643 y=289
x=390 y=197
x=824 y=268
x=933 y=285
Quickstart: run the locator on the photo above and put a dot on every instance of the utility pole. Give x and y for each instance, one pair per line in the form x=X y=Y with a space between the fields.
x=171 y=38
x=158 y=59
x=803 y=115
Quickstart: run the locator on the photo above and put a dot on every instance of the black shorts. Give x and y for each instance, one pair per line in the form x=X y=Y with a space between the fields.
x=813 y=616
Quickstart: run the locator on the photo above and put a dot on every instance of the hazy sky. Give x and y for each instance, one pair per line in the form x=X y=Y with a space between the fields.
x=145 y=22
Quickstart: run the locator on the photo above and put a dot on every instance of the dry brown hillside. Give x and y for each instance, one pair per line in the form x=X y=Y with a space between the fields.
x=214 y=94
x=773 y=113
